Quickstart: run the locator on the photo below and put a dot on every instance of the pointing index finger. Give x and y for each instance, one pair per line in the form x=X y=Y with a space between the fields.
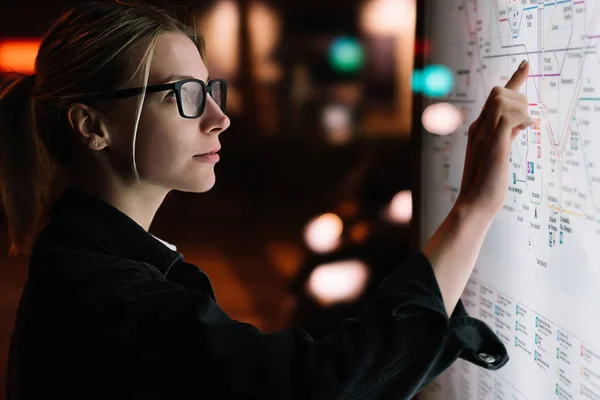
x=518 y=77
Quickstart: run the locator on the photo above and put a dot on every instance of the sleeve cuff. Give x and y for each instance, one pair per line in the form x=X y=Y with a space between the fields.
x=415 y=287
x=479 y=344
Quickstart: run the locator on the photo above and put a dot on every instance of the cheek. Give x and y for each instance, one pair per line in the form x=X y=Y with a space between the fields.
x=121 y=122
x=164 y=146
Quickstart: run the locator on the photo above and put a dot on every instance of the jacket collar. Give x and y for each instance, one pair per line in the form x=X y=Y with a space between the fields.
x=111 y=227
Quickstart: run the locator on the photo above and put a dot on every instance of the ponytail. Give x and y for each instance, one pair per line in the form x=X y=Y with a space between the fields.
x=25 y=169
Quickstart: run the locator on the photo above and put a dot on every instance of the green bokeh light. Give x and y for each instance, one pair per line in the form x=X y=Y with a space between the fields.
x=346 y=55
x=433 y=81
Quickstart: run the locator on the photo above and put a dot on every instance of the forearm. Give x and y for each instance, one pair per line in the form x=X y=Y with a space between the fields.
x=453 y=251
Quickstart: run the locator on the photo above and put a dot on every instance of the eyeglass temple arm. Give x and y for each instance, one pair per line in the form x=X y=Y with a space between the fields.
x=123 y=93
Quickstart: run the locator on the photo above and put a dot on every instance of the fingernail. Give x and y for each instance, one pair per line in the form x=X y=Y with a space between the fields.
x=522 y=64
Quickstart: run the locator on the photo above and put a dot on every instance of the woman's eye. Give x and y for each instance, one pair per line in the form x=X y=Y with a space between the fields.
x=170 y=95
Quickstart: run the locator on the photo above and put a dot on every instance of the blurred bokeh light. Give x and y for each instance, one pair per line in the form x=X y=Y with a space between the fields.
x=18 y=55
x=337 y=120
x=441 y=118
x=417 y=81
x=339 y=281
x=220 y=29
x=322 y=234
x=265 y=28
x=388 y=17
x=400 y=208
x=346 y=54
x=438 y=80
x=433 y=81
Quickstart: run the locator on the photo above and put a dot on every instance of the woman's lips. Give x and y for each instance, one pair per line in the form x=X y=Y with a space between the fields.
x=212 y=157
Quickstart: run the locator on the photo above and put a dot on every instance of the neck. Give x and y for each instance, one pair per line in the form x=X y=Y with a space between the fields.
x=138 y=201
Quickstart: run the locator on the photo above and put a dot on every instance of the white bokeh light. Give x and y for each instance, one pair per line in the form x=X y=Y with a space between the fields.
x=336 y=116
x=337 y=120
x=441 y=118
x=388 y=17
x=400 y=208
x=339 y=281
x=322 y=234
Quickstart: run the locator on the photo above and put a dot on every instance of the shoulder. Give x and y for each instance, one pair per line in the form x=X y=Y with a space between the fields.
x=68 y=257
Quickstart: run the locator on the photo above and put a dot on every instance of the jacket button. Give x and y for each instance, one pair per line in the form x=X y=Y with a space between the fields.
x=486 y=358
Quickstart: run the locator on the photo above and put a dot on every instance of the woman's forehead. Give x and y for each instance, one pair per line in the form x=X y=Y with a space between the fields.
x=176 y=54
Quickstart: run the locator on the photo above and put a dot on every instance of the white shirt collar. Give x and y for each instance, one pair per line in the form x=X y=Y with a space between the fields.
x=169 y=245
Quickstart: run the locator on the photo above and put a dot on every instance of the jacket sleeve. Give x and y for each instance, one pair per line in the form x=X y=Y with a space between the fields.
x=401 y=340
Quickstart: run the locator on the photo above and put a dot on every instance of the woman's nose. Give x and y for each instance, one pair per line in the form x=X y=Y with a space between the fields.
x=214 y=119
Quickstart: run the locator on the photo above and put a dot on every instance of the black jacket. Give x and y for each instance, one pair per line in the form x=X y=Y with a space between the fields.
x=108 y=311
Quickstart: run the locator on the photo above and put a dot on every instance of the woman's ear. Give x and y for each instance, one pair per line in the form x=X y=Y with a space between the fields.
x=89 y=126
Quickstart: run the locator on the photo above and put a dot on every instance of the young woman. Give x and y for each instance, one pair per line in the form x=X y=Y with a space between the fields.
x=122 y=103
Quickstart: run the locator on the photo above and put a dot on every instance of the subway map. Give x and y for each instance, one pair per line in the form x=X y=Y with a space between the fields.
x=537 y=280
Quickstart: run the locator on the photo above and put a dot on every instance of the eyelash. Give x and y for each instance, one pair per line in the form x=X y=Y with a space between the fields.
x=170 y=95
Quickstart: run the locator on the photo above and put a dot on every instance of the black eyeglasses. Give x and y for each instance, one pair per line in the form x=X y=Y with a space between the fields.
x=190 y=93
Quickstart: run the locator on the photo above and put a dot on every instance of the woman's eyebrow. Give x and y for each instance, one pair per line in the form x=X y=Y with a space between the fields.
x=176 y=77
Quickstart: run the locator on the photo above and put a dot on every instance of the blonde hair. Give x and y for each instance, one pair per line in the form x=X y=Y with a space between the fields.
x=85 y=52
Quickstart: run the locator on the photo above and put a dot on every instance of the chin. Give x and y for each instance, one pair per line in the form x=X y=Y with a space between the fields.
x=205 y=188
x=191 y=180
x=201 y=185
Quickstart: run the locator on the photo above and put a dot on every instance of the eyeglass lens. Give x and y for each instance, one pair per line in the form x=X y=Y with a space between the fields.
x=192 y=97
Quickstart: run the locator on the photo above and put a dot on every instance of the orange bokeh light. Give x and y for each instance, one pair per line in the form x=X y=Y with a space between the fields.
x=18 y=55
